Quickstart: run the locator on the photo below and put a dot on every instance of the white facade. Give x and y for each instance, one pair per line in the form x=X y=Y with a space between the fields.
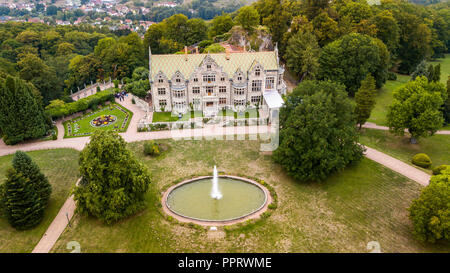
x=212 y=82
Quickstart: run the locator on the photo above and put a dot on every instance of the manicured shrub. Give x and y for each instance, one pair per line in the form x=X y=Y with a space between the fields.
x=438 y=170
x=133 y=101
x=422 y=160
x=151 y=148
x=392 y=76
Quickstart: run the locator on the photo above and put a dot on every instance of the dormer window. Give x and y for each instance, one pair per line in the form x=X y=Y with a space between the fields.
x=208 y=67
x=257 y=72
x=160 y=80
x=239 y=78
x=178 y=80
x=222 y=79
x=195 y=79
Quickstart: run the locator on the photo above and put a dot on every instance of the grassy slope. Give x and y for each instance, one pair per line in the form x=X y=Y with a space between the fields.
x=363 y=203
x=384 y=97
x=61 y=168
x=399 y=147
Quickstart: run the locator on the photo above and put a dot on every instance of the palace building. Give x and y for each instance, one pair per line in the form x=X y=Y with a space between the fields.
x=212 y=82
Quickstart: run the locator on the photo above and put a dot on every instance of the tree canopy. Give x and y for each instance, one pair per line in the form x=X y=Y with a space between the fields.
x=21 y=113
x=416 y=107
x=349 y=59
x=114 y=182
x=318 y=133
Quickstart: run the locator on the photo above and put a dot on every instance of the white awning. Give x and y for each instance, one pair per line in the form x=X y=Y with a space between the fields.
x=273 y=99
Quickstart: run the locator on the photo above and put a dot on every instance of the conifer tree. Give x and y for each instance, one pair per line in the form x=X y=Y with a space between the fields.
x=436 y=73
x=446 y=108
x=21 y=113
x=365 y=100
x=23 y=164
x=421 y=70
x=23 y=208
x=430 y=73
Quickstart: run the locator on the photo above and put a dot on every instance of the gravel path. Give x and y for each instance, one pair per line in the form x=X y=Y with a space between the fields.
x=398 y=166
x=371 y=125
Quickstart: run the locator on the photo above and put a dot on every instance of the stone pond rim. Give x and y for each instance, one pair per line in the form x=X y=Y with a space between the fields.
x=254 y=214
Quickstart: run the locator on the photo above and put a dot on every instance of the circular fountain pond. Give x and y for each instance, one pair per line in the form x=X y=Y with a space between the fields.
x=193 y=200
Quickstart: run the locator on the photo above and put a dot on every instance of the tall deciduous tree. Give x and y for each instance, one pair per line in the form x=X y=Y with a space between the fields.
x=43 y=77
x=21 y=113
x=23 y=164
x=302 y=55
x=22 y=206
x=114 y=183
x=349 y=59
x=248 y=17
x=318 y=135
x=276 y=15
x=415 y=41
x=416 y=107
x=365 y=100
x=388 y=30
x=220 y=25
x=312 y=8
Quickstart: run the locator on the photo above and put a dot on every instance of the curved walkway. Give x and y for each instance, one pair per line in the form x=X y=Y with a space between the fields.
x=66 y=212
x=371 y=125
x=398 y=166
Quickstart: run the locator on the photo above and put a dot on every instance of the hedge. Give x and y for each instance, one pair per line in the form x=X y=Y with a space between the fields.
x=83 y=104
x=422 y=160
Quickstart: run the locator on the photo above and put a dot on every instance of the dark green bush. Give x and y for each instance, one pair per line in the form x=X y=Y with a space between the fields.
x=422 y=160
x=392 y=76
x=151 y=148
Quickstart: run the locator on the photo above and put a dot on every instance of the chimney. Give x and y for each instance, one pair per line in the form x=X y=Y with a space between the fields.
x=228 y=53
x=185 y=53
x=196 y=50
x=244 y=48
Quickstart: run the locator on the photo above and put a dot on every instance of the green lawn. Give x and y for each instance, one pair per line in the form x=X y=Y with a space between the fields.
x=384 y=97
x=61 y=168
x=168 y=117
x=81 y=126
x=445 y=68
x=437 y=146
x=250 y=113
x=363 y=203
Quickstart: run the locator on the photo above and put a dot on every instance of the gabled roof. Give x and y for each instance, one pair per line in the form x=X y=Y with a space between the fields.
x=187 y=63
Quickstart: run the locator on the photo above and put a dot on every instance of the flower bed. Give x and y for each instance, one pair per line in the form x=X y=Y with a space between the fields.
x=112 y=117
